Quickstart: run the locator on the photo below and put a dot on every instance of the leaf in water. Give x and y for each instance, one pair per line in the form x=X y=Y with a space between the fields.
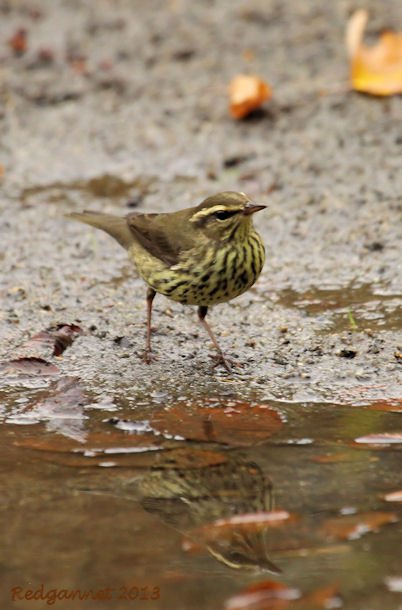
x=325 y=597
x=61 y=409
x=266 y=595
x=384 y=438
x=253 y=521
x=394 y=584
x=237 y=424
x=94 y=444
x=377 y=69
x=392 y=405
x=393 y=496
x=351 y=527
x=94 y=449
x=246 y=523
x=247 y=93
x=28 y=366
x=332 y=458
x=189 y=458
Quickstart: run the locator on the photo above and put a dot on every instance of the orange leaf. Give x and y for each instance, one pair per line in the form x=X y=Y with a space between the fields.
x=19 y=41
x=352 y=527
x=235 y=423
x=246 y=93
x=377 y=69
x=394 y=496
x=380 y=438
x=269 y=595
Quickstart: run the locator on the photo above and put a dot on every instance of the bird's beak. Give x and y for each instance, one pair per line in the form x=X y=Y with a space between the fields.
x=252 y=208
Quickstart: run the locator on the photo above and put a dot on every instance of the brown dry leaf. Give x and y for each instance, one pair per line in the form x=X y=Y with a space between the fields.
x=19 y=42
x=55 y=339
x=325 y=597
x=377 y=69
x=96 y=443
x=384 y=438
x=393 y=405
x=189 y=458
x=394 y=496
x=96 y=449
x=351 y=527
x=247 y=93
x=28 y=366
x=239 y=423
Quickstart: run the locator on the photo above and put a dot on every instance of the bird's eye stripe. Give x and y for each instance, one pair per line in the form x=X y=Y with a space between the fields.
x=211 y=212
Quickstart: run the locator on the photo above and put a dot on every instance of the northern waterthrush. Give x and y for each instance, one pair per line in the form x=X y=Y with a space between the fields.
x=201 y=256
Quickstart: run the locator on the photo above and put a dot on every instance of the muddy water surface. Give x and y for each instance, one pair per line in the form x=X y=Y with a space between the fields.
x=179 y=486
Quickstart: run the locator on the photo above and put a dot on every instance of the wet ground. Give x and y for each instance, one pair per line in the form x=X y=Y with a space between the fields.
x=126 y=480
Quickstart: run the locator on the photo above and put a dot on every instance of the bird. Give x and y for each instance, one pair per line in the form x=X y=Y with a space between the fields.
x=203 y=255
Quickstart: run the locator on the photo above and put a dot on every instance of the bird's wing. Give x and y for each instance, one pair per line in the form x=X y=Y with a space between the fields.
x=160 y=236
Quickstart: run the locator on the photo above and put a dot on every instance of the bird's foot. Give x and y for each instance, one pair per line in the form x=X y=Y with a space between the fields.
x=149 y=357
x=228 y=363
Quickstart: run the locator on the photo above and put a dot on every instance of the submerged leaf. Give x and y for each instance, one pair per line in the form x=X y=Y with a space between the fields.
x=236 y=423
x=266 y=595
x=351 y=527
x=381 y=438
x=272 y=595
x=394 y=496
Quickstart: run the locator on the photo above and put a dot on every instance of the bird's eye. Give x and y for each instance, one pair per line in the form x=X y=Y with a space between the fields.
x=225 y=214
x=236 y=558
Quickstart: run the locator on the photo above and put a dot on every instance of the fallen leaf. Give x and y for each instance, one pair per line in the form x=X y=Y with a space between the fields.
x=377 y=69
x=393 y=496
x=351 y=527
x=266 y=595
x=325 y=597
x=94 y=444
x=28 y=366
x=234 y=423
x=60 y=407
x=384 y=438
x=393 y=405
x=56 y=338
x=394 y=584
x=19 y=41
x=272 y=595
x=247 y=93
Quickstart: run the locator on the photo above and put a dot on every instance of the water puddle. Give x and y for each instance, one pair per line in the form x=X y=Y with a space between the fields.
x=354 y=307
x=215 y=493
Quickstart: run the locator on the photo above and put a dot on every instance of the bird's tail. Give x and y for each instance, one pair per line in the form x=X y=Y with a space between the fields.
x=116 y=226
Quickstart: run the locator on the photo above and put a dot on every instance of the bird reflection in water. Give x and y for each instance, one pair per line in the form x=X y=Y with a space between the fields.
x=202 y=496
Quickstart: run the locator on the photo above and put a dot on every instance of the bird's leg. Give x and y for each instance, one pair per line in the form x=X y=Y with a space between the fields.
x=202 y=312
x=148 y=356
